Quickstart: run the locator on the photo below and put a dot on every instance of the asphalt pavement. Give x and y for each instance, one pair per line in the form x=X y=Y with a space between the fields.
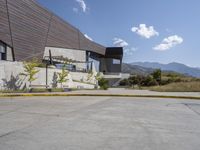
x=99 y=123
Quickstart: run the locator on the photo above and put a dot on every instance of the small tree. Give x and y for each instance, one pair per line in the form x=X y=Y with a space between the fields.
x=97 y=78
x=133 y=80
x=62 y=77
x=157 y=75
x=90 y=75
x=30 y=71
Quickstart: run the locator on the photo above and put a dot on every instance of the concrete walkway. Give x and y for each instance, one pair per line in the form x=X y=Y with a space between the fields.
x=122 y=91
x=114 y=92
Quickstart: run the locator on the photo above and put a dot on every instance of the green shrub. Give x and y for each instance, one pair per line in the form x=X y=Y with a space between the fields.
x=134 y=80
x=57 y=90
x=149 y=81
x=165 y=82
x=124 y=82
x=140 y=80
x=103 y=83
x=39 y=90
x=14 y=91
x=43 y=90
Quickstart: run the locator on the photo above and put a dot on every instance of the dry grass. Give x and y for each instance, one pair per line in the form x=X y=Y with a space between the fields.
x=193 y=86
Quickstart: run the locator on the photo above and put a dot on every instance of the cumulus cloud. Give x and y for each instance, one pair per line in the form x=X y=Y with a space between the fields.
x=168 y=43
x=130 y=51
x=144 y=31
x=118 y=42
x=82 y=4
x=89 y=38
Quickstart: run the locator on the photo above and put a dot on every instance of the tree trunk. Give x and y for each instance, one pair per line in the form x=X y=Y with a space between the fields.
x=29 y=84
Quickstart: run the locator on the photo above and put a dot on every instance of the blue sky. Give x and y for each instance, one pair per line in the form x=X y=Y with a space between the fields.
x=150 y=30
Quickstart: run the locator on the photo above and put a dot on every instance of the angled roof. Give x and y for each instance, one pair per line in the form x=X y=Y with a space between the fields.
x=28 y=27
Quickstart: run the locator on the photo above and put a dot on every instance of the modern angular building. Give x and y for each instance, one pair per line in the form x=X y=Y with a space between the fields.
x=28 y=30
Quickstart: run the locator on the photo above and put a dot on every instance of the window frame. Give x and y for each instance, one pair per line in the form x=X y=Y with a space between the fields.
x=3 y=54
x=116 y=61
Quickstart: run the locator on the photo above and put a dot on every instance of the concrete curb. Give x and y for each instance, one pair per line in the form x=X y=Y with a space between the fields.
x=105 y=95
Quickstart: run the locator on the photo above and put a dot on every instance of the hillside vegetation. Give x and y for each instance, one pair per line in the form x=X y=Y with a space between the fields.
x=174 y=66
x=163 y=81
x=178 y=87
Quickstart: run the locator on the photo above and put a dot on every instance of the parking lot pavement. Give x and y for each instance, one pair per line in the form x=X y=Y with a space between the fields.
x=99 y=123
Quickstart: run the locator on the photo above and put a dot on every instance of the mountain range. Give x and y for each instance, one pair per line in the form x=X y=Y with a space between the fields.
x=148 y=67
x=135 y=69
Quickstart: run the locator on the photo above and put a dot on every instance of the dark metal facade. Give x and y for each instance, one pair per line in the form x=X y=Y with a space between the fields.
x=112 y=60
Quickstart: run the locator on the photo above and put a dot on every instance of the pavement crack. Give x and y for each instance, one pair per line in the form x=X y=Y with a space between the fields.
x=189 y=107
x=15 y=131
x=6 y=134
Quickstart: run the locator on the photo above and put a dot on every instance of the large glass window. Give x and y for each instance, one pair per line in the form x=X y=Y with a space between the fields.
x=2 y=51
x=116 y=62
x=95 y=64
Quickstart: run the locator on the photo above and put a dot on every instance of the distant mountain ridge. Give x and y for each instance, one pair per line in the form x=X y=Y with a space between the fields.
x=174 y=66
x=135 y=69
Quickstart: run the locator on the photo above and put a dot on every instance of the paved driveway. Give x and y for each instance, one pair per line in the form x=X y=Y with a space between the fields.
x=99 y=123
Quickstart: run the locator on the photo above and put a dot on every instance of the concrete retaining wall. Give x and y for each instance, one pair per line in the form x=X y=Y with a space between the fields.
x=10 y=77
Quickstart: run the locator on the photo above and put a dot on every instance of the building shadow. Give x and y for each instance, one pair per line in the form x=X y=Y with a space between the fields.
x=14 y=83
x=55 y=80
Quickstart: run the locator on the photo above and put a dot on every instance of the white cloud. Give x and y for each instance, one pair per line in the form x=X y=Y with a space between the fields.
x=144 y=31
x=119 y=42
x=89 y=38
x=82 y=4
x=130 y=51
x=168 y=43
x=75 y=10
